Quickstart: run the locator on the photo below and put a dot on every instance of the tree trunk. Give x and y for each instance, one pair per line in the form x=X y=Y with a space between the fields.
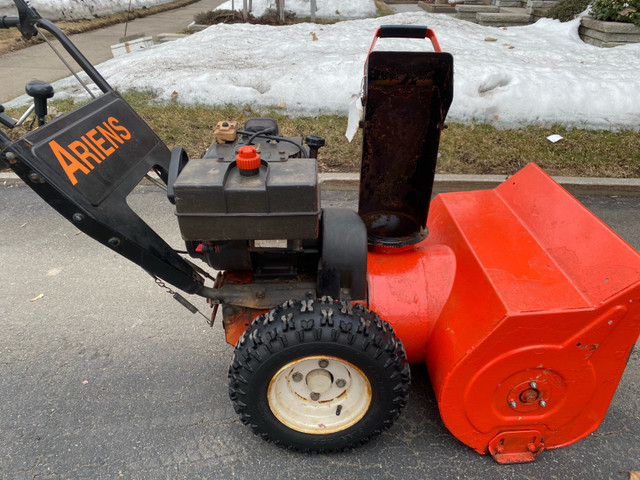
x=245 y=13
x=313 y=10
x=280 y=5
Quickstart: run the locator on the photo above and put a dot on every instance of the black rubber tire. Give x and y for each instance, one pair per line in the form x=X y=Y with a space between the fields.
x=341 y=330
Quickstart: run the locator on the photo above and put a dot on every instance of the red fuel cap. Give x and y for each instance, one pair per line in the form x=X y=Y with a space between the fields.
x=248 y=158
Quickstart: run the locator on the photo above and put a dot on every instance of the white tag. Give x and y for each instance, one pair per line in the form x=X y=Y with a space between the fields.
x=270 y=243
x=355 y=115
x=554 y=138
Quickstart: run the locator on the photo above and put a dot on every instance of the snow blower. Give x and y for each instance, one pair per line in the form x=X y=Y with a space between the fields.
x=523 y=304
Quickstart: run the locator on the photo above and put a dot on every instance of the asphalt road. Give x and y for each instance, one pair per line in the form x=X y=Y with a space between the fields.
x=106 y=376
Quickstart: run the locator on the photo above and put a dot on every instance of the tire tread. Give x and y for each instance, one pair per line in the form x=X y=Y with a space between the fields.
x=346 y=324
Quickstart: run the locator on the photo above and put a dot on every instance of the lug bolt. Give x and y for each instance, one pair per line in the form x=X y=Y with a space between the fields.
x=315 y=396
x=513 y=404
x=543 y=403
x=533 y=385
x=531 y=447
x=297 y=377
x=341 y=382
x=323 y=363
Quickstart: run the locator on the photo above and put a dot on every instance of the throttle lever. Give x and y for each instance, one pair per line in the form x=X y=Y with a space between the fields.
x=40 y=91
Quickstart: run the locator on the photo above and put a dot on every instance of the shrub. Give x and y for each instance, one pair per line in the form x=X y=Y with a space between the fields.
x=270 y=17
x=567 y=9
x=213 y=17
x=616 y=10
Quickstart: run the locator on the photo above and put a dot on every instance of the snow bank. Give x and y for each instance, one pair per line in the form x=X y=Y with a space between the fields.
x=302 y=8
x=537 y=74
x=78 y=9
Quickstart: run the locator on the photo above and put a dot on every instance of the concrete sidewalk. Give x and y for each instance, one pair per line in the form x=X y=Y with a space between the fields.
x=39 y=62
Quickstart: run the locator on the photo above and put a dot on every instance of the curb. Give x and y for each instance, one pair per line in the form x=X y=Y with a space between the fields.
x=588 y=186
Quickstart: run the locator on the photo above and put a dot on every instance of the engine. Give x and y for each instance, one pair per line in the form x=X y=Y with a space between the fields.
x=251 y=203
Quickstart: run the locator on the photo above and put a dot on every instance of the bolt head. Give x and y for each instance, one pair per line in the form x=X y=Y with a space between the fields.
x=35 y=178
x=341 y=382
x=323 y=363
x=513 y=404
x=533 y=385
x=315 y=396
x=529 y=396
x=78 y=217
x=543 y=403
x=297 y=377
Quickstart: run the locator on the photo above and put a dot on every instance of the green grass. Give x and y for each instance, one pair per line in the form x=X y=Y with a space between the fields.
x=477 y=148
x=585 y=153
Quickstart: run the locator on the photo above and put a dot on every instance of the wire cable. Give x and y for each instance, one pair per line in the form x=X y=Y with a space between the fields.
x=64 y=61
x=253 y=135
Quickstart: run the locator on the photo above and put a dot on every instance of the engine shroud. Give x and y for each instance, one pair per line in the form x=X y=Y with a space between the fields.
x=216 y=202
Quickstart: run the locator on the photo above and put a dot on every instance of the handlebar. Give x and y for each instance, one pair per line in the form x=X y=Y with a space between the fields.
x=405 y=31
x=9 y=22
x=5 y=119
x=8 y=122
x=29 y=20
x=402 y=31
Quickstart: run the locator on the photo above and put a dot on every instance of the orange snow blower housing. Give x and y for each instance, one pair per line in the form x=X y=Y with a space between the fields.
x=524 y=305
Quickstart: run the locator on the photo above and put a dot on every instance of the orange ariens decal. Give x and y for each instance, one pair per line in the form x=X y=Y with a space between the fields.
x=90 y=149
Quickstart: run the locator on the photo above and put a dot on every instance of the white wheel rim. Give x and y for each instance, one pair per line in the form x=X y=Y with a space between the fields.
x=319 y=395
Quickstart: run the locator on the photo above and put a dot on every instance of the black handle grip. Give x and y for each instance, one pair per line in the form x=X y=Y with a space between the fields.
x=402 y=31
x=7 y=121
x=9 y=22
